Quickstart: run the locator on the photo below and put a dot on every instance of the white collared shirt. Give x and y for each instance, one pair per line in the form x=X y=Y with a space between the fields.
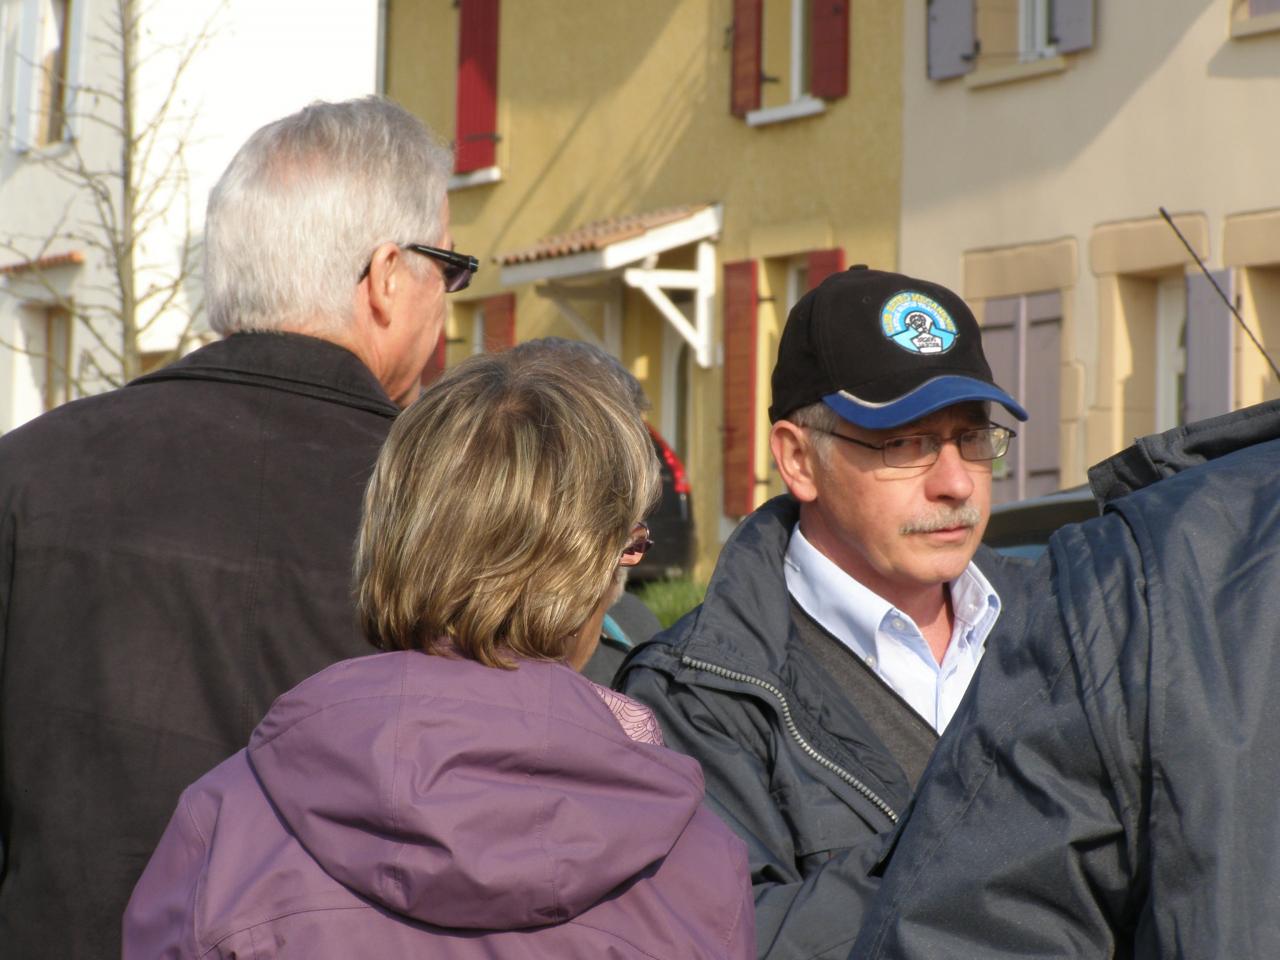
x=888 y=640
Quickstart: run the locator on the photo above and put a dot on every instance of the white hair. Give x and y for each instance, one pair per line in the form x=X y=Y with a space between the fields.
x=305 y=202
x=821 y=422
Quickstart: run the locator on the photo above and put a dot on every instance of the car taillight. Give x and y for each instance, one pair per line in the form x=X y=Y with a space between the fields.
x=679 y=479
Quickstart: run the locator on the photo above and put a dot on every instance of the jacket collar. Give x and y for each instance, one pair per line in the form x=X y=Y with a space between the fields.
x=1161 y=455
x=290 y=362
x=745 y=618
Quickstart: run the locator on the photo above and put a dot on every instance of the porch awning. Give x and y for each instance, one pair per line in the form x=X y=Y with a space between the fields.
x=628 y=247
x=72 y=258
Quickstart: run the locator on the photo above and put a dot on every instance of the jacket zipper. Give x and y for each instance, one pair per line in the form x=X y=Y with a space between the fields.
x=794 y=731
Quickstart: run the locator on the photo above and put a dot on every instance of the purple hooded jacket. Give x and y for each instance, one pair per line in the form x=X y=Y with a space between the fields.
x=404 y=805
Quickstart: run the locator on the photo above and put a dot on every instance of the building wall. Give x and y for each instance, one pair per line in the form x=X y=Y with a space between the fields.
x=262 y=61
x=1052 y=180
x=607 y=109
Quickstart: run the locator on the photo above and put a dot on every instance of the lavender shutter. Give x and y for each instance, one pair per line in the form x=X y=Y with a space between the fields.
x=952 y=42
x=1000 y=344
x=1072 y=25
x=1209 y=347
x=1258 y=7
x=1040 y=436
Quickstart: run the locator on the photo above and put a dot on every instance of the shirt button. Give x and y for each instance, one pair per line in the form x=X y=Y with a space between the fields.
x=871 y=662
x=898 y=624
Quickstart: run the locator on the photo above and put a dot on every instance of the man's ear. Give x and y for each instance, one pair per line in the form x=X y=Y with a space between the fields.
x=796 y=458
x=384 y=280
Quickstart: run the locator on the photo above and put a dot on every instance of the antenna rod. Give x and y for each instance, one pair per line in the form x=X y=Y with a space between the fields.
x=1225 y=299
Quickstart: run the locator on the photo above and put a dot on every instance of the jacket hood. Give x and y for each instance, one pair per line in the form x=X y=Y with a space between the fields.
x=465 y=796
x=1162 y=455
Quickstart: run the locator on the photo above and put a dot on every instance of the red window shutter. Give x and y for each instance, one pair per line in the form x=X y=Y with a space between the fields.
x=740 y=312
x=477 y=121
x=744 y=87
x=435 y=364
x=829 y=48
x=823 y=263
x=499 y=322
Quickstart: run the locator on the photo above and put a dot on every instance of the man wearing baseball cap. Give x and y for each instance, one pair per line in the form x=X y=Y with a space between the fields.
x=843 y=621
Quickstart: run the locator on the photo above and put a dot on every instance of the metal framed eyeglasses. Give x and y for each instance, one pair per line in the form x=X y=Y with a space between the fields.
x=637 y=546
x=457 y=268
x=922 y=449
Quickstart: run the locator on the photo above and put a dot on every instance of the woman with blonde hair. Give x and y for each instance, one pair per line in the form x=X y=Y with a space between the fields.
x=467 y=793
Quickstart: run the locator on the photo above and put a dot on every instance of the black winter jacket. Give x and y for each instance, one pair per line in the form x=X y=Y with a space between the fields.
x=173 y=555
x=791 y=765
x=1112 y=786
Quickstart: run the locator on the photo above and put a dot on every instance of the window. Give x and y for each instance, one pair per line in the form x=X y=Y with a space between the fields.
x=55 y=22
x=788 y=57
x=57 y=357
x=993 y=35
x=1178 y=342
x=43 y=74
x=1035 y=29
x=1171 y=352
x=1251 y=248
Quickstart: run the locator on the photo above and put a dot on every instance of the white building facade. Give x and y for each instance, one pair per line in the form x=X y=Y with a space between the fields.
x=61 y=157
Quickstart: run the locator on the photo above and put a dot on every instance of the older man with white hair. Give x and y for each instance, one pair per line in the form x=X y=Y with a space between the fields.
x=176 y=553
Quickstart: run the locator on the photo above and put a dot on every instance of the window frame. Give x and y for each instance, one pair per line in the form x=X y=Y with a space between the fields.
x=804 y=61
x=29 y=115
x=1170 y=360
x=1035 y=31
x=57 y=388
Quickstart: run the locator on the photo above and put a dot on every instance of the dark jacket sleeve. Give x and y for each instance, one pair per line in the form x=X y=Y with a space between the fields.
x=6 y=591
x=797 y=917
x=1020 y=842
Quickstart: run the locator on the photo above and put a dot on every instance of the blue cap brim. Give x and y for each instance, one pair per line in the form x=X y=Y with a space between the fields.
x=925 y=399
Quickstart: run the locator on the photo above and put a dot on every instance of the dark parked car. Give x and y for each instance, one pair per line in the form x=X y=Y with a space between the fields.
x=1023 y=528
x=671 y=523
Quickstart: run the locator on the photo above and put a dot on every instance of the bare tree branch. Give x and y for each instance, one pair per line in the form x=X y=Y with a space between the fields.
x=119 y=210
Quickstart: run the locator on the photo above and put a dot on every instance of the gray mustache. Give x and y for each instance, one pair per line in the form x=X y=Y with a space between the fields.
x=943 y=519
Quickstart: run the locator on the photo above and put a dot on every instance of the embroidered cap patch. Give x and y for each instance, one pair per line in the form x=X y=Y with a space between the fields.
x=918 y=324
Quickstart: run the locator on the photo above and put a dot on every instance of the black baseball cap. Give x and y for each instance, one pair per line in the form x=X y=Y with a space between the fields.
x=882 y=349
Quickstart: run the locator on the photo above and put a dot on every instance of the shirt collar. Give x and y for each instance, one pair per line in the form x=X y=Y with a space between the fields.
x=854 y=614
x=847 y=609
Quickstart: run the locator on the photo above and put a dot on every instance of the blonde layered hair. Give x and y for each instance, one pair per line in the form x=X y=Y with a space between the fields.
x=499 y=508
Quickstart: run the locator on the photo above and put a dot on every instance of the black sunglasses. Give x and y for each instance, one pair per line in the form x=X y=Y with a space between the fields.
x=458 y=268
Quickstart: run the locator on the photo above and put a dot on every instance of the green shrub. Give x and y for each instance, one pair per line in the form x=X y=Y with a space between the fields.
x=671 y=599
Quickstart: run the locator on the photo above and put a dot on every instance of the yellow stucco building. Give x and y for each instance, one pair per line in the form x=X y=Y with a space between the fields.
x=664 y=179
